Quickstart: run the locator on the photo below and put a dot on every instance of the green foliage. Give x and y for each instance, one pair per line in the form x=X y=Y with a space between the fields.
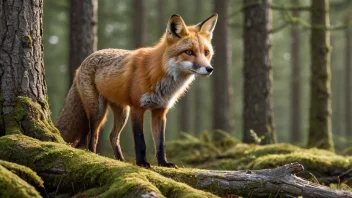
x=190 y=149
x=341 y=187
x=254 y=135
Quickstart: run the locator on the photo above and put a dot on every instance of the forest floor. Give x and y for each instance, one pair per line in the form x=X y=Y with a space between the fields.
x=321 y=166
x=50 y=169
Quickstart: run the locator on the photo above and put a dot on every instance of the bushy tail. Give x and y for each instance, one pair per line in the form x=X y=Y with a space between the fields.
x=73 y=123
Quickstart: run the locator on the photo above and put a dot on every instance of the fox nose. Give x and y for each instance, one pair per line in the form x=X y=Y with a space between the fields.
x=209 y=69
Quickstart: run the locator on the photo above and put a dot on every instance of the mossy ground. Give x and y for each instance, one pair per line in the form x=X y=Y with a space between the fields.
x=24 y=173
x=12 y=185
x=70 y=171
x=202 y=153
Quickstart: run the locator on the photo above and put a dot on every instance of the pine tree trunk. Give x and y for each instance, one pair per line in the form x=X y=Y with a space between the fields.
x=296 y=135
x=186 y=114
x=258 y=115
x=23 y=96
x=320 y=134
x=348 y=85
x=222 y=87
x=83 y=33
x=139 y=23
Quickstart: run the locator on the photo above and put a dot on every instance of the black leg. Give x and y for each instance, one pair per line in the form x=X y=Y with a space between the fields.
x=139 y=143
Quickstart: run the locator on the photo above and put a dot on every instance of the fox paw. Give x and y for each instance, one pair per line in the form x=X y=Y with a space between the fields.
x=169 y=165
x=143 y=164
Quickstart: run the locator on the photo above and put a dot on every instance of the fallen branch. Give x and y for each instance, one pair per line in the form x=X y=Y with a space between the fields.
x=278 y=181
x=69 y=171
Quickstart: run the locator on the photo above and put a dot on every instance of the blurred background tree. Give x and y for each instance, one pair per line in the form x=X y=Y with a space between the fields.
x=296 y=134
x=83 y=33
x=117 y=22
x=222 y=108
x=258 y=114
x=320 y=134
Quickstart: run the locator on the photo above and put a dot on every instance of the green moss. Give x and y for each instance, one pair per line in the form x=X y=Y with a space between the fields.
x=312 y=160
x=28 y=117
x=87 y=173
x=347 y=151
x=341 y=187
x=13 y=186
x=321 y=163
x=30 y=40
x=191 y=149
x=24 y=173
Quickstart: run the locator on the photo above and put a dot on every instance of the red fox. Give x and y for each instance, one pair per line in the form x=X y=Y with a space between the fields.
x=131 y=82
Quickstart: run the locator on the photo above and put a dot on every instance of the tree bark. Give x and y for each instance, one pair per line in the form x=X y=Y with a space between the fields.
x=222 y=117
x=320 y=134
x=23 y=97
x=139 y=27
x=296 y=134
x=258 y=115
x=66 y=170
x=348 y=83
x=83 y=33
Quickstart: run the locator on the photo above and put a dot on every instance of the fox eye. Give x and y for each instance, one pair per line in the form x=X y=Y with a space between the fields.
x=206 y=52
x=189 y=52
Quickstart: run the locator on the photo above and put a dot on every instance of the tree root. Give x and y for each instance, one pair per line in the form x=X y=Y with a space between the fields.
x=69 y=171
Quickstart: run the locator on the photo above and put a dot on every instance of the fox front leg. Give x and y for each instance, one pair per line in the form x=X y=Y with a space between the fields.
x=158 y=131
x=139 y=142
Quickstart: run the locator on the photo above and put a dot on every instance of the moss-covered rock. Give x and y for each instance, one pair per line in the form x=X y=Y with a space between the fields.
x=13 y=186
x=71 y=171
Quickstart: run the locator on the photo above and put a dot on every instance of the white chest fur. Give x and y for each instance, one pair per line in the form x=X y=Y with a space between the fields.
x=167 y=92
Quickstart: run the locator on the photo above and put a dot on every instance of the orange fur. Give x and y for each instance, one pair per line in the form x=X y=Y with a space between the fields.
x=144 y=79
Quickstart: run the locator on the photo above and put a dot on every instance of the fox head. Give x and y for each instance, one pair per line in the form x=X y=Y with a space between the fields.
x=189 y=49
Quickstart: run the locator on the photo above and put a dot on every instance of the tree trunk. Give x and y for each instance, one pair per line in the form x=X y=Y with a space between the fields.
x=222 y=87
x=320 y=134
x=67 y=171
x=258 y=115
x=83 y=33
x=139 y=27
x=23 y=102
x=296 y=135
x=348 y=85
x=186 y=114
x=200 y=91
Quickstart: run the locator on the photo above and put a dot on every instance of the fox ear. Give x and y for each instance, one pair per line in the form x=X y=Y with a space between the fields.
x=176 y=28
x=208 y=25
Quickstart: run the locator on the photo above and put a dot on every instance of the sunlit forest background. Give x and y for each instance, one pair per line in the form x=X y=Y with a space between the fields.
x=194 y=114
